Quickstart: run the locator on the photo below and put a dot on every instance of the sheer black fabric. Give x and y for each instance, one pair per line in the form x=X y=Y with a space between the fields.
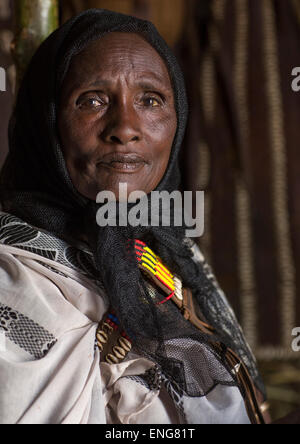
x=36 y=186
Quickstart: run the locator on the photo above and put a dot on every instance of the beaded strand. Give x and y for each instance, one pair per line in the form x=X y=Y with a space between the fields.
x=123 y=346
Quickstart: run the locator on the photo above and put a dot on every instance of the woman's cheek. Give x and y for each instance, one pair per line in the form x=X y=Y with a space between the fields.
x=81 y=129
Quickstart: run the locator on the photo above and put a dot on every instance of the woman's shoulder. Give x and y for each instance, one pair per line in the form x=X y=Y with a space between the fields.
x=198 y=256
x=27 y=240
x=200 y=259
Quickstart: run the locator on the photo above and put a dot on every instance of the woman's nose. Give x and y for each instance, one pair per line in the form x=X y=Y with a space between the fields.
x=123 y=126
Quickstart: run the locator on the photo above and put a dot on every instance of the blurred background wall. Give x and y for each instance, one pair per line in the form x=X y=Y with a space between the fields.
x=241 y=147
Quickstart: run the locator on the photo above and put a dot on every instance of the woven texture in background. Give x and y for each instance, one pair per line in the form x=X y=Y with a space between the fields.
x=242 y=148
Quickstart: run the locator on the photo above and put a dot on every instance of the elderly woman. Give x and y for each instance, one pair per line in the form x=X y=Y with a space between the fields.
x=119 y=325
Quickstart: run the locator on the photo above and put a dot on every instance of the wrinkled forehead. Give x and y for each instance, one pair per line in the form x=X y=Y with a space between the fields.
x=115 y=40
x=129 y=53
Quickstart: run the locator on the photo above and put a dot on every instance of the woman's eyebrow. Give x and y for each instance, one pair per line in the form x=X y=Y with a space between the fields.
x=146 y=85
x=99 y=82
x=155 y=82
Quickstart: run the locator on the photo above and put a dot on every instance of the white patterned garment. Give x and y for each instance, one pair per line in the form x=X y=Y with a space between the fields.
x=50 y=370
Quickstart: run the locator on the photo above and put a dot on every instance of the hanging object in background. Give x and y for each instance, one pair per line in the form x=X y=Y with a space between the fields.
x=7 y=74
x=34 y=21
x=2 y=80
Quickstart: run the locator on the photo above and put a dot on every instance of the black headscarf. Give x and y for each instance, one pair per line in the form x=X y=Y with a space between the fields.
x=36 y=186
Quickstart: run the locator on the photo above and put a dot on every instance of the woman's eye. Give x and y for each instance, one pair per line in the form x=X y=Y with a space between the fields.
x=91 y=102
x=152 y=102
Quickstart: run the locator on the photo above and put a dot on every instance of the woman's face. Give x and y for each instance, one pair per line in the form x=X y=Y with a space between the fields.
x=117 y=118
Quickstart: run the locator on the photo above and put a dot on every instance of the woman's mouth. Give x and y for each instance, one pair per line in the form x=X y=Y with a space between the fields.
x=124 y=167
x=124 y=163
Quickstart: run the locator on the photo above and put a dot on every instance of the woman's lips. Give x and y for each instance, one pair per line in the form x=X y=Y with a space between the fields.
x=123 y=167
x=125 y=163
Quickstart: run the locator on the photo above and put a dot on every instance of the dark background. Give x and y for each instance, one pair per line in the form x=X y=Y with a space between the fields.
x=241 y=148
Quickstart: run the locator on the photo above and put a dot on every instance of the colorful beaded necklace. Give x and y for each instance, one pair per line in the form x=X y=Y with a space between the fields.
x=112 y=341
